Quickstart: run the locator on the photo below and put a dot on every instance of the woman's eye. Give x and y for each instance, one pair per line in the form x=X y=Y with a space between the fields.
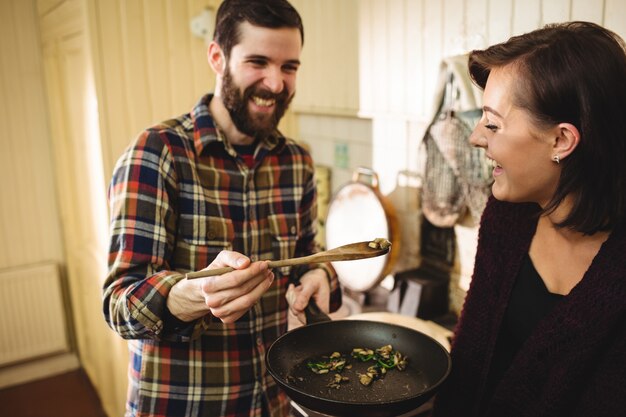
x=491 y=127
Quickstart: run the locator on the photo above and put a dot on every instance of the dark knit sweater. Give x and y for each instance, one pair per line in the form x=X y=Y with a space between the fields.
x=574 y=362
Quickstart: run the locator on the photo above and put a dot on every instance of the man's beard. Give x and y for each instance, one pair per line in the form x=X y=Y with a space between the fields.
x=259 y=125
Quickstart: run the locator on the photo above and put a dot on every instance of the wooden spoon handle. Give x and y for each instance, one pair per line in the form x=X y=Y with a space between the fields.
x=272 y=264
x=209 y=272
x=350 y=252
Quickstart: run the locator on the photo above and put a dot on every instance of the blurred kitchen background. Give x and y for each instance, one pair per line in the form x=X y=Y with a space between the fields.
x=80 y=78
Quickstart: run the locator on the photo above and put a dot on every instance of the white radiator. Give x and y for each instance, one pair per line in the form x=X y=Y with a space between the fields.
x=32 y=316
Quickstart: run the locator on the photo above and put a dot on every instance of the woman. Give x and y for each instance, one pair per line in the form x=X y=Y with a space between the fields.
x=543 y=328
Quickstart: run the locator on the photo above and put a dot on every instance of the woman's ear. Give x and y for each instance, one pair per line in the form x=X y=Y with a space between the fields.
x=567 y=139
x=216 y=58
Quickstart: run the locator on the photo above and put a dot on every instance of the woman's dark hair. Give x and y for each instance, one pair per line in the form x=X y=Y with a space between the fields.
x=575 y=73
x=263 y=13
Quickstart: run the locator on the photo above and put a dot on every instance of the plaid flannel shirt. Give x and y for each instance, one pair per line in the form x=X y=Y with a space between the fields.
x=179 y=195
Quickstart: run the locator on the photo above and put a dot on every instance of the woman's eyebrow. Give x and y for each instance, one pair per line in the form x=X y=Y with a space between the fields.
x=490 y=110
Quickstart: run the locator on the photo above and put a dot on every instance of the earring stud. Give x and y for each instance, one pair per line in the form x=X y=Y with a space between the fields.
x=557 y=159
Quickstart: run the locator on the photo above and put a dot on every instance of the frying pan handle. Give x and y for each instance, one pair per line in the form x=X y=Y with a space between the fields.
x=314 y=314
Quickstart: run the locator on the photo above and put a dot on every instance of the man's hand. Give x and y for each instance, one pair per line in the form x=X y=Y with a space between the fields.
x=314 y=284
x=228 y=296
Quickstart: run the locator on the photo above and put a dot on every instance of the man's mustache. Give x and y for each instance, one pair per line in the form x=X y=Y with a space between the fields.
x=266 y=95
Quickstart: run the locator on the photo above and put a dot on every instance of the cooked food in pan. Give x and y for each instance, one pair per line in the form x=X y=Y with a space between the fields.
x=384 y=358
x=335 y=362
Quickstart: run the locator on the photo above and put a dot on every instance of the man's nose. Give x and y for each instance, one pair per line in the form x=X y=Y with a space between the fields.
x=274 y=80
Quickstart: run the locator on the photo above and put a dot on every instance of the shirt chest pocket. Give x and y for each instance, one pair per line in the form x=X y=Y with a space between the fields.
x=284 y=230
x=205 y=235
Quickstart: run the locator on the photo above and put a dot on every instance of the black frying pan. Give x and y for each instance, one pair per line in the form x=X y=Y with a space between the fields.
x=398 y=393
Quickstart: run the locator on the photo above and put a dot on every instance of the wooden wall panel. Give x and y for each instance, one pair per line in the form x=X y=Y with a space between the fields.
x=328 y=80
x=137 y=66
x=401 y=43
x=29 y=217
x=588 y=10
x=158 y=28
x=500 y=20
x=149 y=65
x=182 y=58
x=396 y=74
x=75 y=132
x=109 y=71
x=476 y=27
x=615 y=16
x=323 y=42
x=45 y=6
x=380 y=52
x=526 y=16
x=414 y=51
x=434 y=38
x=342 y=32
x=364 y=41
x=453 y=27
x=305 y=92
x=555 y=11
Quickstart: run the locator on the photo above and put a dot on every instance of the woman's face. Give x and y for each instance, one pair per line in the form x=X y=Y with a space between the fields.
x=521 y=152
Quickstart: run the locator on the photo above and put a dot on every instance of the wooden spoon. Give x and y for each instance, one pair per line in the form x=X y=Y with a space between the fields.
x=350 y=252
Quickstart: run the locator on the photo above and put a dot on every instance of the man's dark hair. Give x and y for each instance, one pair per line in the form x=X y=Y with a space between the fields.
x=263 y=13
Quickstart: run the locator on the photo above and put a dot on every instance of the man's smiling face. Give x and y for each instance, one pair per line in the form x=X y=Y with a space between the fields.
x=260 y=76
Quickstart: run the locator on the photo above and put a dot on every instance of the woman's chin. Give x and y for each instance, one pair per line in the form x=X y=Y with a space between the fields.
x=500 y=193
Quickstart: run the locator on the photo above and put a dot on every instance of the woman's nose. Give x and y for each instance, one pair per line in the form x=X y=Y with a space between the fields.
x=477 y=138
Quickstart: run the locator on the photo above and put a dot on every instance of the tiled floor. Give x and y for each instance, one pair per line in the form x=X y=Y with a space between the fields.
x=66 y=395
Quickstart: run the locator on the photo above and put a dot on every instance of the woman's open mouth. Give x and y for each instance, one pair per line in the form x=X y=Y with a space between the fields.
x=497 y=168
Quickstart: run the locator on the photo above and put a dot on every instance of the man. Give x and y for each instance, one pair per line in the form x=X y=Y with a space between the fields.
x=219 y=186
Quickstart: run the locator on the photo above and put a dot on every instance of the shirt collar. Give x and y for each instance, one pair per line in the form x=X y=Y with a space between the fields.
x=205 y=131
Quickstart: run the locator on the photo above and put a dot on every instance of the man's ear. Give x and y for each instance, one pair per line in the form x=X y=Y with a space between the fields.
x=216 y=58
x=567 y=139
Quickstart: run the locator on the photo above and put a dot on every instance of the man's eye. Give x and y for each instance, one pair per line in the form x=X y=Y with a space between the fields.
x=290 y=68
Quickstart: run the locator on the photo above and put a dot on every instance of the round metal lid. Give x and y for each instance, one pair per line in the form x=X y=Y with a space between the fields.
x=356 y=213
